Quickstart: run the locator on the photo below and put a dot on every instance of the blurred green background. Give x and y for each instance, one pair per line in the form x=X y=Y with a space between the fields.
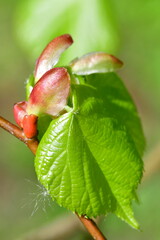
x=128 y=29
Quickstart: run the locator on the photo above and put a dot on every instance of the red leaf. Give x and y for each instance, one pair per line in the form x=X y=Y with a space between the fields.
x=51 y=54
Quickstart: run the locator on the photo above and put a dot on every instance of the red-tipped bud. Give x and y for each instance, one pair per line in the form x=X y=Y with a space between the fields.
x=49 y=95
x=51 y=54
x=25 y=121
x=30 y=125
x=19 y=111
x=97 y=62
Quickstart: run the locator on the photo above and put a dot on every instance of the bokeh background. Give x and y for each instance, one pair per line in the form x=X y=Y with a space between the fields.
x=127 y=29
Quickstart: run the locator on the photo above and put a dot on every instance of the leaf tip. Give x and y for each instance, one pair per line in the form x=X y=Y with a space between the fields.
x=95 y=62
x=51 y=54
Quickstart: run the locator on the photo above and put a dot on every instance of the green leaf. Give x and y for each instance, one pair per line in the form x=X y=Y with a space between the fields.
x=42 y=125
x=119 y=104
x=89 y=159
x=29 y=85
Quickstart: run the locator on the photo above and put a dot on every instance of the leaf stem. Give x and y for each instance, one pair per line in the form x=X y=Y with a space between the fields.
x=32 y=144
x=68 y=109
x=92 y=228
x=74 y=99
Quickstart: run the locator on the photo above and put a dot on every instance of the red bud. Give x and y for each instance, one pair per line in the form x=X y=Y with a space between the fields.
x=51 y=54
x=30 y=125
x=19 y=111
x=49 y=95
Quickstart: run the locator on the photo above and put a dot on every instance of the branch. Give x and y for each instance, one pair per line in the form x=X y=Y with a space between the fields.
x=92 y=228
x=32 y=144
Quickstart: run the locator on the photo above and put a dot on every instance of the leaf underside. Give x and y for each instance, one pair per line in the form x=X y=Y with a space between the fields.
x=89 y=159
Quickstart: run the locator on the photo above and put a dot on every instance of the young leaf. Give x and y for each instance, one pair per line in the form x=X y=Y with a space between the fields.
x=96 y=62
x=89 y=159
x=49 y=95
x=51 y=54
